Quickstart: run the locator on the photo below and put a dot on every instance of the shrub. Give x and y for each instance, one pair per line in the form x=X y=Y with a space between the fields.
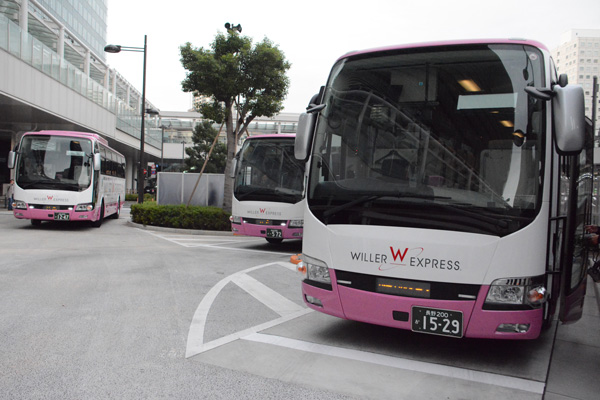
x=134 y=197
x=180 y=216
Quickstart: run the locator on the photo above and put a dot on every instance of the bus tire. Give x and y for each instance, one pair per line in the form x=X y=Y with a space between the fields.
x=36 y=222
x=98 y=223
x=274 y=240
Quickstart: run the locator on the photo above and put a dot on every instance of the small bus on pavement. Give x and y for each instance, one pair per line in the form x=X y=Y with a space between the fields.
x=67 y=176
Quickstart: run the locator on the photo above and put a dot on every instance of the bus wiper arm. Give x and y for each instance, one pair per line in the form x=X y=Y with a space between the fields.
x=344 y=206
x=365 y=199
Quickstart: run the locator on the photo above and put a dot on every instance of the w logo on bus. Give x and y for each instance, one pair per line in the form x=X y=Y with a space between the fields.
x=262 y=210
x=50 y=197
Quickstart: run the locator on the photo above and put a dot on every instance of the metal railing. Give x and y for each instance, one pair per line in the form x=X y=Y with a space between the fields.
x=35 y=53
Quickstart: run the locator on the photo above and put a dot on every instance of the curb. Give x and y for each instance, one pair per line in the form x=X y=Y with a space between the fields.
x=178 y=230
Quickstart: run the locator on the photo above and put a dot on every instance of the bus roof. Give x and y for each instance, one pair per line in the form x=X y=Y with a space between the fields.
x=86 y=135
x=273 y=135
x=445 y=43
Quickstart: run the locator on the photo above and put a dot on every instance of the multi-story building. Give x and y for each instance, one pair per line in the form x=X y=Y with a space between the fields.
x=578 y=56
x=86 y=19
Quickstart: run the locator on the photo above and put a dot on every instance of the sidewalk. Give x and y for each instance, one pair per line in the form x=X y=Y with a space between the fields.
x=575 y=364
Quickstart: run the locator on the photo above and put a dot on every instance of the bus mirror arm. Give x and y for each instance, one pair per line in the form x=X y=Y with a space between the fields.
x=544 y=93
x=540 y=93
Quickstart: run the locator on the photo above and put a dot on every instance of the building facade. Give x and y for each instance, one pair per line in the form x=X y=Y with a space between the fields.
x=578 y=56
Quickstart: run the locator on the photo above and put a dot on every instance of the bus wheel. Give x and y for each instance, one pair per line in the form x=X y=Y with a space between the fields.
x=274 y=240
x=98 y=223
x=36 y=222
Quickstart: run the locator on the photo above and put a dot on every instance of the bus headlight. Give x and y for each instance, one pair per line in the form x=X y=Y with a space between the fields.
x=235 y=219
x=84 y=207
x=516 y=291
x=316 y=270
x=296 y=223
x=19 y=205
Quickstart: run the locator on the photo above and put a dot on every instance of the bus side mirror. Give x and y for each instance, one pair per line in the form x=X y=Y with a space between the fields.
x=11 y=159
x=569 y=119
x=304 y=134
x=97 y=162
x=233 y=167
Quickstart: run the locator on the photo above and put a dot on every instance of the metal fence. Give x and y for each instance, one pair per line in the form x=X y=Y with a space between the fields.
x=177 y=187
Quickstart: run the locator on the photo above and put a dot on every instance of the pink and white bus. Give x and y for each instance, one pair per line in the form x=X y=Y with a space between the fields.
x=267 y=190
x=448 y=189
x=67 y=176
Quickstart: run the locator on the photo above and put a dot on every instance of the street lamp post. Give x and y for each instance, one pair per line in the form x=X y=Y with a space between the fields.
x=162 y=144
x=111 y=48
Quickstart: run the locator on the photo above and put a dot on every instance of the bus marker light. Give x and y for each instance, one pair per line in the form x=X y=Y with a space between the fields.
x=513 y=328
x=537 y=295
x=295 y=259
x=301 y=267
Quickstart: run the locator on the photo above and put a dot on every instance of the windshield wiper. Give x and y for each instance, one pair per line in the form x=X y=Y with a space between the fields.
x=367 y=198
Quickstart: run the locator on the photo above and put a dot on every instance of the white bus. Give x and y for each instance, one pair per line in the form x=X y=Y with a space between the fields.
x=67 y=176
x=267 y=190
x=448 y=189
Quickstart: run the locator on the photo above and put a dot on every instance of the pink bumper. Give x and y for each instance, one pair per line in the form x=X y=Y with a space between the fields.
x=377 y=308
x=56 y=215
x=247 y=229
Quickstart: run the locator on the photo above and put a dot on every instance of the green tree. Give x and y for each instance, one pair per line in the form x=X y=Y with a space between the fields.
x=203 y=138
x=234 y=74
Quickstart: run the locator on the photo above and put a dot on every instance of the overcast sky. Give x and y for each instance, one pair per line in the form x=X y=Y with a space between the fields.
x=313 y=34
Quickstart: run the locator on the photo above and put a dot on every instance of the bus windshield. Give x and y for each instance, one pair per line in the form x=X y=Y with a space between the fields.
x=439 y=137
x=54 y=162
x=268 y=171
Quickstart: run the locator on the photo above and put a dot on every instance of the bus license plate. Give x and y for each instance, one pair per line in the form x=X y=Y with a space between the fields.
x=274 y=233
x=61 y=216
x=437 y=322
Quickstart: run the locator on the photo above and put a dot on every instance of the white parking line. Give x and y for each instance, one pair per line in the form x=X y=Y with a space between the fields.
x=204 y=241
x=401 y=363
x=272 y=299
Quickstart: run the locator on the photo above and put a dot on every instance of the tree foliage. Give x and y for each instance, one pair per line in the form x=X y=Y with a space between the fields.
x=242 y=82
x=203 y=138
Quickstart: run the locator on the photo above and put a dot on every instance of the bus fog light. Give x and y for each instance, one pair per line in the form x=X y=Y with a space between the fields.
x=296 y=223
x=314 y=301
x=513 y=328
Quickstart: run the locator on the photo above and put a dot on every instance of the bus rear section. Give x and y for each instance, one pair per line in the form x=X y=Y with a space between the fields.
x=67 y=176
x=446 y=192
x=267 y=193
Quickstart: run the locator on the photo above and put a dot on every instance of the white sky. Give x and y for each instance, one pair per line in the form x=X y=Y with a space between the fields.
x=313 y=34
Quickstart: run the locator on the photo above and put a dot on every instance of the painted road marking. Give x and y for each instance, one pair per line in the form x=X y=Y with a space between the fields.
x=204 y=241
x=272 y=299
x=401 y=363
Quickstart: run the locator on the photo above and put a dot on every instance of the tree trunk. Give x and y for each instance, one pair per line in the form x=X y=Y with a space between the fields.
x=231 y=149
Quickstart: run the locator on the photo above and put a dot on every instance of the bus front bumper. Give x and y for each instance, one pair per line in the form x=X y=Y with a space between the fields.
x=246 y=229
x=384 y=309
x=55 y=215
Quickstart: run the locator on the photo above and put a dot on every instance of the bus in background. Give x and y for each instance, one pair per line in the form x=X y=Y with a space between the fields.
x=267 y=189
x=448 y=189
x=67 y=176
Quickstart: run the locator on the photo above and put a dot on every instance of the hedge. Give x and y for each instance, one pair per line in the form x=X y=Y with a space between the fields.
x=180 y=216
